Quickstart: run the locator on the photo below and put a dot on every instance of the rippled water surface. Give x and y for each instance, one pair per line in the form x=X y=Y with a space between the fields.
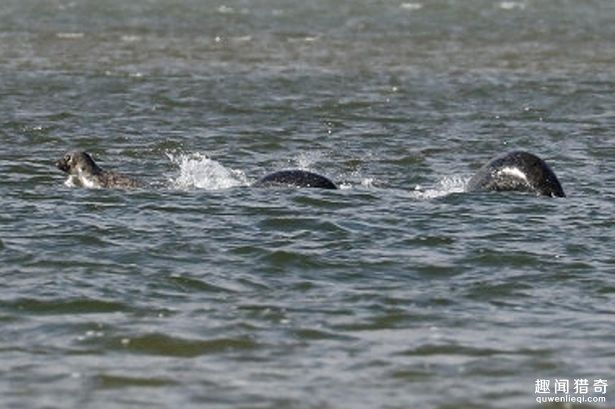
x=397 y=291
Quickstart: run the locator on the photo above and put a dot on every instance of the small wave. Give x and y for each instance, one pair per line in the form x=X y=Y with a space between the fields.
x=411 y=6
x=512 y=5
x=223 y=9
x=198 y=171
x=70 y=36
x=446 y=186
x=130 y=38
x=366 y=183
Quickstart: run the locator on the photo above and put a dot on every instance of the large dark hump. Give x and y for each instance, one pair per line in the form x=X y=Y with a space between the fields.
x=539 y=173
x=517 y=171
x=295 y=178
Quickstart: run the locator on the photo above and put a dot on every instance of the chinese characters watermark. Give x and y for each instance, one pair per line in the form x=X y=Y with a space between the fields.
x=565 y=390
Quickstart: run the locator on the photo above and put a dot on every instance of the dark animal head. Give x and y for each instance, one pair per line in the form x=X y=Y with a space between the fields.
x=78 y=163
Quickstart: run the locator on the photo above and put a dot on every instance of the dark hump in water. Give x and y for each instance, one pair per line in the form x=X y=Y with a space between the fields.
x=517 y=171
x=295 y=178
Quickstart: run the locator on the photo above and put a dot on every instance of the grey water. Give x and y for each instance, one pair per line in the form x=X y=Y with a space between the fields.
x=398 y=290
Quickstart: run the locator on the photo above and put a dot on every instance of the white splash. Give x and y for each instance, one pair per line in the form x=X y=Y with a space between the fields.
x=305 y=160
x=72 y=181
x=83 y=181
x=130 y=38
x=70 y=36
x=223 y=9
x=198 y=171
x=364 y=183
x=511 y=5
x=446 y=186
x=411 y=6
x=367 y=182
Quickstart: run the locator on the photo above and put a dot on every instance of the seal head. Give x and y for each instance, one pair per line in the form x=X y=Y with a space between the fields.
x=83 y=171
x=295 y=178
x=517 y=171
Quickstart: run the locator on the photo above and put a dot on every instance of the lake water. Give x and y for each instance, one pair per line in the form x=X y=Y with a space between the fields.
x=396 y=291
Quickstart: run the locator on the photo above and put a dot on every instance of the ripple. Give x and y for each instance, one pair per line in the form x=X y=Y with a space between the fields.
x=317 y=334
x=486 y=290
x=437 y=349
x=108 y=381
x=67 y=306
x=191 y=284
x=282 y=260
x=173 y=346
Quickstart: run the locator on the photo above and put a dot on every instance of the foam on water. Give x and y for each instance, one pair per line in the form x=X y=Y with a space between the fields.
x=198 y=171
x=70 y=182
x=512 y=5
x=444 y=187
x=411 y=6
x=365 y=183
